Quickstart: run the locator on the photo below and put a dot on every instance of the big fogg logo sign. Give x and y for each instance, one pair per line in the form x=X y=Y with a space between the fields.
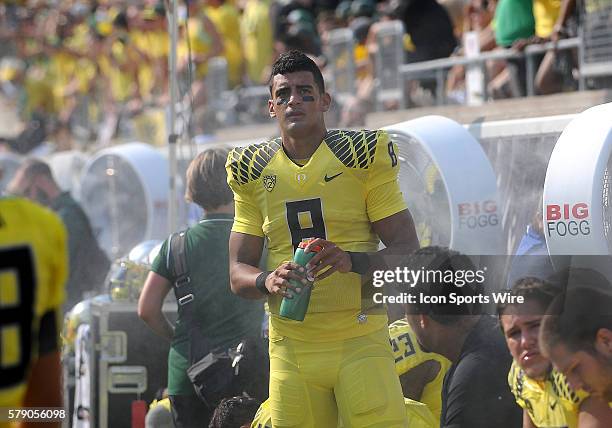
x=477 y=214
x=568 y=219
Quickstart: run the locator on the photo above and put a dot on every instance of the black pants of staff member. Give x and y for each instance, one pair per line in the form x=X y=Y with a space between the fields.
x=188 y=411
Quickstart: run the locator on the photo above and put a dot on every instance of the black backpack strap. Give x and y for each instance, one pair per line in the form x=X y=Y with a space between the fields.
x=183 y=289
x=185 y=293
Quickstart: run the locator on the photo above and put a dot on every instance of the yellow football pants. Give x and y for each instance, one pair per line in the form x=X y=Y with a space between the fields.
x=312 y=383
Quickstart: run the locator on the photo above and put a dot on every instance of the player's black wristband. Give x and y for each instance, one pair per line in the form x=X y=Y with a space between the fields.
x=360 y=262
x=260 y=282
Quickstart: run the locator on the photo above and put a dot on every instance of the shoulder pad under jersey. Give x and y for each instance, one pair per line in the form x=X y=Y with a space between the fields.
x=355 y=149
x=247 y=163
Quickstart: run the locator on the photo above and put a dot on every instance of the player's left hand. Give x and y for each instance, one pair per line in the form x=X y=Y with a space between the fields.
x=331 y=257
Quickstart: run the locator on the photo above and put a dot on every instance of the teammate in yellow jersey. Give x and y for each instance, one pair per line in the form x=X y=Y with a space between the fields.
x=577 y=336
x=421 y=373
x=33 y=271
x=543 y=393
x=341 y=188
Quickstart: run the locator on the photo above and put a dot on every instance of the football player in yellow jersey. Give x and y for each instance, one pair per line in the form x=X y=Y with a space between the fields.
x=341 y=188
x=421 y=373
x=33 y=271
x=577 y=337
x=544 y=394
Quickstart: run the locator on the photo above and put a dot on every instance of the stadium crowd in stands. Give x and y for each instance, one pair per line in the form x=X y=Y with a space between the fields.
x=86 y=70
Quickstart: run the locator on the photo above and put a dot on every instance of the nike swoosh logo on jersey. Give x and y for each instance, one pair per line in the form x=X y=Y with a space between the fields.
x=328 y=179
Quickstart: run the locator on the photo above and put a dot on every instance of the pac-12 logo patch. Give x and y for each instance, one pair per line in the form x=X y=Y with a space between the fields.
x=269 y=181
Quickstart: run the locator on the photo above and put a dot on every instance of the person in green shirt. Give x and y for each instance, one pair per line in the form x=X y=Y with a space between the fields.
x=514 y=23
x=223 y=319
x=88 y=264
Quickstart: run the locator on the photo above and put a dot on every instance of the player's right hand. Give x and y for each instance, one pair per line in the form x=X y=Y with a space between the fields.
x=277 y=281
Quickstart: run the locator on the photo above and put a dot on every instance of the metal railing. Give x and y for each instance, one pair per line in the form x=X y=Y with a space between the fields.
x=596 y=53
x=438 y=67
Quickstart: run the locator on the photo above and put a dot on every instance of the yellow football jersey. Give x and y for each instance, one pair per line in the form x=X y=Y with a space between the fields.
x=33 y=272
x=348 y=183
x=408 y=354
x=550 y=403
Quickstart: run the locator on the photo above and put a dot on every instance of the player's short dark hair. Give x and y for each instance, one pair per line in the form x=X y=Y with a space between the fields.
x=234 y=412
x=532 y=289
x=207 y=180
x=442 y=259
x=576 y=317
x=294 y=61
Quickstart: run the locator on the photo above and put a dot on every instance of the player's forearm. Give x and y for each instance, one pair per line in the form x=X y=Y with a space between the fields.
x=400 y=238
x=244 y=254
x=243 y=279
